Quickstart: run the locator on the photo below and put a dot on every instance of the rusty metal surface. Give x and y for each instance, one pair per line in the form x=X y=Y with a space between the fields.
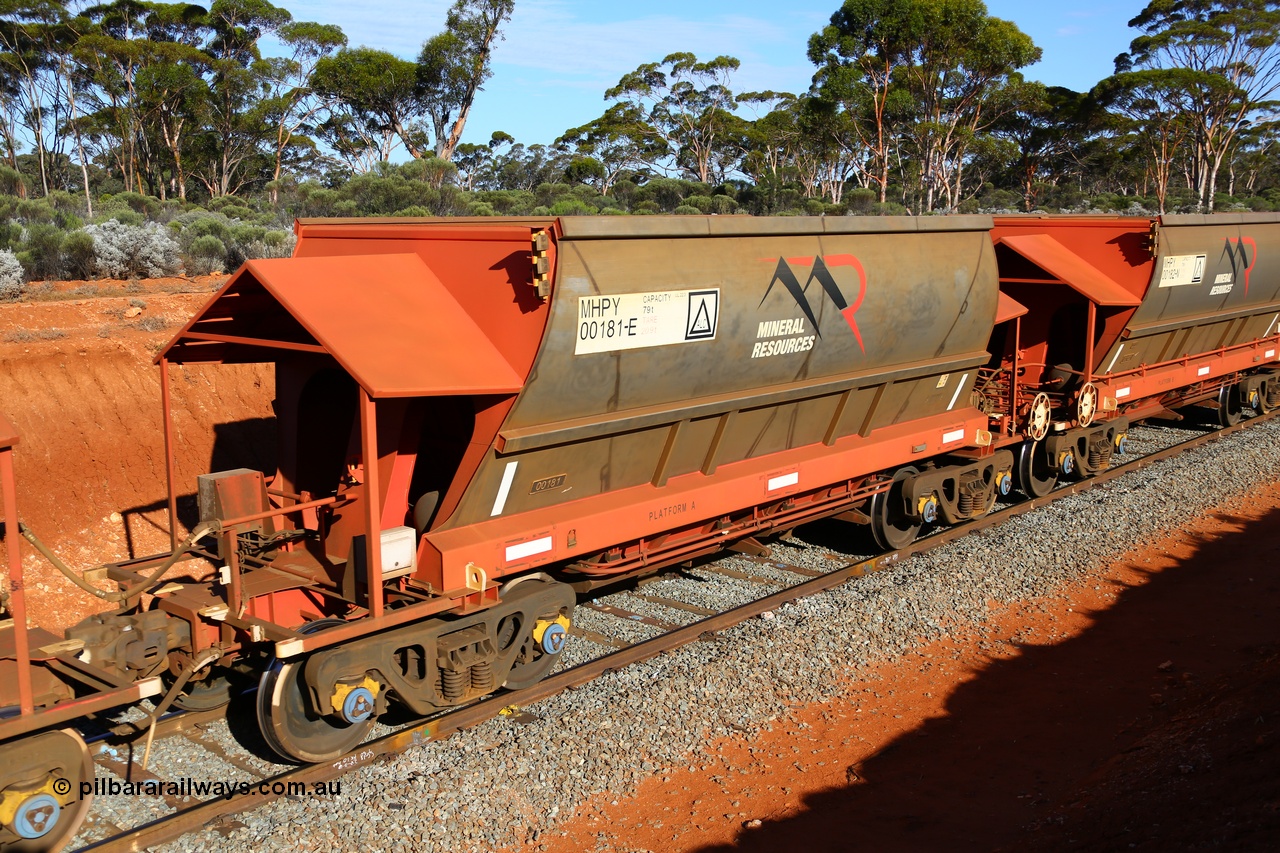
x=173 y=826
x=387 y=319
x=721 y=339
x=1214 y=283
x=1056 y=259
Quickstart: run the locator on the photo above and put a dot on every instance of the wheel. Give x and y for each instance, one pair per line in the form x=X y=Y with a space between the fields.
x=1087 y=404
x=1036 y=477
x=891 y=527
x=534 y=661
x=41 y=781
x=289 y=723
x=1039 y=416
x=1229 y=407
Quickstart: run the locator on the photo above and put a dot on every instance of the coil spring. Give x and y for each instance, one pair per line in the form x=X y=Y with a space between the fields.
x=969 y=501
x=482 y=677
x=1099 y=454
x=454 y=684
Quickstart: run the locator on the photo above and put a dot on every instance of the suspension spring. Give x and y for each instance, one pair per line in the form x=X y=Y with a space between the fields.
x=482 y=677
x=455 y=684
x=969 y=501
x=1099 y=454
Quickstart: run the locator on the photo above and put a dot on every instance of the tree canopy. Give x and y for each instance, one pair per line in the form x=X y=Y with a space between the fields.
x=916 y=106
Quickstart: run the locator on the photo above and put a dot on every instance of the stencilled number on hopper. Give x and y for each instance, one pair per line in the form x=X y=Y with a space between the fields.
x=634 y=320
x=1182 y=269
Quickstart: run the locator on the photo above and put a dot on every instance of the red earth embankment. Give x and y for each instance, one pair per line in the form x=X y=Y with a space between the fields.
x=78 y=380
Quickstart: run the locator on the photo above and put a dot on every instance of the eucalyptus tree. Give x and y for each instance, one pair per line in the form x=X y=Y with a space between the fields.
x=772 y=137
x=292 y=105
x=686 y=107
x=29 y=34
x=831 y=152
x=1045 y=126
x=231 y=146
x=922 y=78
x=620 y=142
x=1157 y=112
x=804 y=140
x=374 y=105
x=1214 y=64
x=964 y=59
x=454 y=65
x=860 y=56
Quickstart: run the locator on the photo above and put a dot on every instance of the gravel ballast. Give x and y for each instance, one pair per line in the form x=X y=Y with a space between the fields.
x=505 y=782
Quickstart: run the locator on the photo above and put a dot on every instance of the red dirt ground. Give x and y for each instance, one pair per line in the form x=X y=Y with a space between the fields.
x=1136 y=710
x=78 y=381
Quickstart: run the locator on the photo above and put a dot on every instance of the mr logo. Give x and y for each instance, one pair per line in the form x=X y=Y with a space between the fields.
x=1238 y=257
x=821 y=272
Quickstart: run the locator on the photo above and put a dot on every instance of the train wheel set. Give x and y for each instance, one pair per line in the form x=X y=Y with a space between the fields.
x=477 y=420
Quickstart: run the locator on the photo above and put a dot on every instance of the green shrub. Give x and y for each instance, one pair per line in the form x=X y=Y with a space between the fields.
x=11 y=181
x=722 y=204
x=686 y=210
x=148 y=206
x=124 y=216
x=78 y=256
x=42 y=251
x=206 y=254
x=35 y=210
x=889 y=208
x=571 y=207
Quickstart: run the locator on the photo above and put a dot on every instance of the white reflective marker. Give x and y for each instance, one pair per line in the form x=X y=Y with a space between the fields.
x=954 y=435
x=956 y=395
x=528 y=549
x=783 y=481
x=1119 y=350
x=501 y=500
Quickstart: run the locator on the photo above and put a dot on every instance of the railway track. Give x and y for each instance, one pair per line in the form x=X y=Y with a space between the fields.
x=634 y=636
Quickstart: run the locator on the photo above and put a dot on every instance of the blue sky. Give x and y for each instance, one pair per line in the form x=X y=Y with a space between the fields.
x=559 y=56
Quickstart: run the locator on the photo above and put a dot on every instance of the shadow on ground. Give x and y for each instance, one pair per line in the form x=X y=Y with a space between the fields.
x=1092 y=743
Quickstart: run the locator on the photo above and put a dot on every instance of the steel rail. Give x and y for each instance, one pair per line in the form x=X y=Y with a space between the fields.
x=173 y=826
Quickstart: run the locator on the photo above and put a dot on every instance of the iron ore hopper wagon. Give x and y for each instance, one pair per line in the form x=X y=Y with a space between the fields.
x=479 y=419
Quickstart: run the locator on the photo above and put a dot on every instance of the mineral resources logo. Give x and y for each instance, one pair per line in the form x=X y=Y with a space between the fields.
x=822 y=269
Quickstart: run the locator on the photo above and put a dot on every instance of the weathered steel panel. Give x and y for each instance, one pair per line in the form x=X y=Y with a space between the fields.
x=1211 y=265
x=652 y=318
